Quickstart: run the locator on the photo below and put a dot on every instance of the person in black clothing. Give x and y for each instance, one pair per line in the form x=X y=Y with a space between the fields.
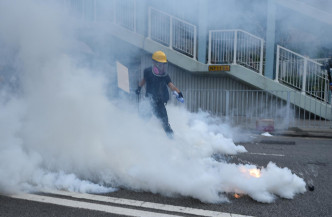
x=328 y=67
x=157 y=80
x=329 y=71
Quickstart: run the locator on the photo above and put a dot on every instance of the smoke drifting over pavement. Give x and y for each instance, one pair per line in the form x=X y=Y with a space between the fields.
x=59 y=129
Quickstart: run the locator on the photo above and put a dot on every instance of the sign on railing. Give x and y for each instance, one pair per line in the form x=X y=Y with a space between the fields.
x=172 y=32
x=213 y=68
x=236 y=47
x=301 y=73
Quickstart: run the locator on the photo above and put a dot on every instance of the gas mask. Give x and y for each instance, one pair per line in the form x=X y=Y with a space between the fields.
x=159 y=69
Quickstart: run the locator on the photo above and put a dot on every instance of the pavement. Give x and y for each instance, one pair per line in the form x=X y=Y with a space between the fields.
x=304 y=132
x=319 y=129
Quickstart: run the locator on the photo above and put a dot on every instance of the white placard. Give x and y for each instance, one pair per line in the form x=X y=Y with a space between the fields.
x=123 y=77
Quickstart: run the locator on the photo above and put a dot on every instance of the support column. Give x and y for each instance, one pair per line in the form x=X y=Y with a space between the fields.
x=202 y=31
x=270 y=39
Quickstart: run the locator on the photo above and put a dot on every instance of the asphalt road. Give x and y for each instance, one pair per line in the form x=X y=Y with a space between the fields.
x=307 y=157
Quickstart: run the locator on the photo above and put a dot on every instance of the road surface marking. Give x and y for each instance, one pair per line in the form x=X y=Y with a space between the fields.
x=143 y=204
x=265 y=154
x=120 y=201
x=89 y=206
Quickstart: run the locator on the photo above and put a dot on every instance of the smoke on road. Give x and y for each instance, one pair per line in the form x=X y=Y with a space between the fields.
x=59 y=128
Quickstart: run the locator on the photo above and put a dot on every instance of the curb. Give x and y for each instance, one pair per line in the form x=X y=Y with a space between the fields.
x=296 y=132
x=304 y=134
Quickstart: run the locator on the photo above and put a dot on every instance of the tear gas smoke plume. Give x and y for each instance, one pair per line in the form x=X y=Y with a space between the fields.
x=60 y=130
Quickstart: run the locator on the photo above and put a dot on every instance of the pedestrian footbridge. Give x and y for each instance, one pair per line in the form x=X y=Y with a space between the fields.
x=232 y=53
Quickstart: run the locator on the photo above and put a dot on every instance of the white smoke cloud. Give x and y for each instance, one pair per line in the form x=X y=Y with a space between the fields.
x=61 y=131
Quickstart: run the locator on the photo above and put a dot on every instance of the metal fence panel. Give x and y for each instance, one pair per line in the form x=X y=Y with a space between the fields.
x=245 y=107
x=159 y=27
x=249 y=49
x=173 y=32
x=236 y=47
x=302 y=74
x=125 y=14
x=317 y=84
x=184 y=37
x=221 y=47
x=121 y=12
x=291 y=68
x=82 y=9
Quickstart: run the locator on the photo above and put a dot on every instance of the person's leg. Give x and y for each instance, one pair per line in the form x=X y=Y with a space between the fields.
x=145 y=108
x=161 y=114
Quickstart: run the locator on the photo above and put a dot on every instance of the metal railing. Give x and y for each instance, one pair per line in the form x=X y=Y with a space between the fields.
x=236 y=47
x=83 y=9
x=120 y=12
x=225 y=46
x=321 y=60
x=245 y=107
x=125 y=13
x=301 y=73
x=172 y=32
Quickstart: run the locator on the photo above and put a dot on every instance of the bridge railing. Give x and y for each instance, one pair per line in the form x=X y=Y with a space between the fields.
x=236 y=47
x=120 y=12
x=84 y=10
x=125 y=13
x=172 y=32
x=301 y=73
x=321 y=60
x=224 y=46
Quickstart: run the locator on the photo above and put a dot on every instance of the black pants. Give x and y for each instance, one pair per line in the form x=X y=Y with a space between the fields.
x=160 y=112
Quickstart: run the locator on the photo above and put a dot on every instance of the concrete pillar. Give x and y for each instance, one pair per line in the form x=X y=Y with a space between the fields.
x=202 y=31
x=270 y=39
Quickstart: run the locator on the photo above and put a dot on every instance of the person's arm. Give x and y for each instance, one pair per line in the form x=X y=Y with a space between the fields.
x=173 y=88
x=140 y=85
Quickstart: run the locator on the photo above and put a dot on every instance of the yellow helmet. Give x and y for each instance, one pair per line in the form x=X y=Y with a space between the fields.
x=159 y=56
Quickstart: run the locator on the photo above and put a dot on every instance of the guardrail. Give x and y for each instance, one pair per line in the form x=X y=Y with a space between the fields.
x=120 y=12
x=244 y=107
x=236 y=47
x=84 y=10
x=301 y=73
x=172 y=32
x=125 y=13
x=321 y=60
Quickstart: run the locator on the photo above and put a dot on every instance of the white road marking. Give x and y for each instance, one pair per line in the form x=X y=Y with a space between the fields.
x=265 y=154
x=143 y=204
x=119 y=210
x=89 y=206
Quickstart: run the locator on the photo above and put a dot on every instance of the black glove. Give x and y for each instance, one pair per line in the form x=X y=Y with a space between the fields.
x=138 y=90
x=180 y=95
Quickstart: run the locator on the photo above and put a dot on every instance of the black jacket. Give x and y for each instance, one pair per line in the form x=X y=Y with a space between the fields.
x=156 y=87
